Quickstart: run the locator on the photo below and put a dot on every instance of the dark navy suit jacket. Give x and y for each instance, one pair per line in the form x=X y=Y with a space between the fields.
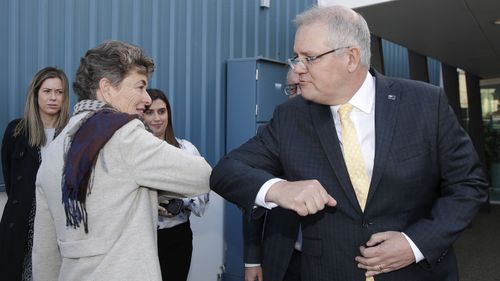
x=270 y=241
x=427 y=180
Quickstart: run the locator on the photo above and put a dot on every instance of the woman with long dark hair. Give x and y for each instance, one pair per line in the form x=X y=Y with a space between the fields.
x=175 y=237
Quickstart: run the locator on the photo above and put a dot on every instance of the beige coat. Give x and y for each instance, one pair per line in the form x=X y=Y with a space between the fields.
x=122 y=213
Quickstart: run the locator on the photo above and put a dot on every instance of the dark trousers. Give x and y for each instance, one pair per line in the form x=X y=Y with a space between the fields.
x=293 y=270
x=175 y=246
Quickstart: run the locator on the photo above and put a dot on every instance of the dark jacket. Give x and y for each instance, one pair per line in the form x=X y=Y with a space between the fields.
x=270 y=241
x=427 y=180
x=20 y=163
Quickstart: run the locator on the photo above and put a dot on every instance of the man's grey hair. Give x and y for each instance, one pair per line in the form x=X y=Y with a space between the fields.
x=347 y=28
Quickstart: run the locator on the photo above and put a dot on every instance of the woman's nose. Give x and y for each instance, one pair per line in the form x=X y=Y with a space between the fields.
x=146 y=98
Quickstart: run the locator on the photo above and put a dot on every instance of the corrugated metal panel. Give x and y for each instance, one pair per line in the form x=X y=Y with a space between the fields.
x=190 y=41
x=434 y=68
x=397 y=65
x=395 y=60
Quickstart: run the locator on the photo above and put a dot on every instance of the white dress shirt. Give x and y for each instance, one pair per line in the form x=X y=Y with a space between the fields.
x=363 y=118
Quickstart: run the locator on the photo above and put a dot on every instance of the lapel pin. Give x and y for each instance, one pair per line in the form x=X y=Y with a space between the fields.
x=391 y=97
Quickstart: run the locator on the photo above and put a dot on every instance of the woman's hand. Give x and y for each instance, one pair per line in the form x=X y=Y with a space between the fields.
x=163 y=212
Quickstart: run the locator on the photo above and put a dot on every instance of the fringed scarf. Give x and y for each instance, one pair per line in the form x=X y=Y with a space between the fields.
x=90 y=137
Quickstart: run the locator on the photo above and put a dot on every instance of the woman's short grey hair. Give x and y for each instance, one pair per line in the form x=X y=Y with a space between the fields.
x=113 y=60
x=347 y=28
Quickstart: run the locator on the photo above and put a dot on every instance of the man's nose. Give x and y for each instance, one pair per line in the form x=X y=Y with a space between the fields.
x=300 y=67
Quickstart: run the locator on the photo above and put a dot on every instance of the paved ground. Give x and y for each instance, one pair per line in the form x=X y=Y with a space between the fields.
x=479 y=246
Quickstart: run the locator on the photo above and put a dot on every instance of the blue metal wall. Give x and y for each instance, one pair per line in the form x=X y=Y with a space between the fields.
x=435 y=74
x=396 y=63
x=190 y=41
x=395 y=60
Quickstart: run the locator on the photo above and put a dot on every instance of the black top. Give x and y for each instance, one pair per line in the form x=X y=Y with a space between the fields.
x=20 y=163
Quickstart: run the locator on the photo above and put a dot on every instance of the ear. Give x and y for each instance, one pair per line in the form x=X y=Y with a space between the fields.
x=105 y=90
x=354 y=58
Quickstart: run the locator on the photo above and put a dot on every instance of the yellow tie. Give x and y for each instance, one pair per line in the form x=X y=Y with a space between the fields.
x=353 y=159
x=352 y=156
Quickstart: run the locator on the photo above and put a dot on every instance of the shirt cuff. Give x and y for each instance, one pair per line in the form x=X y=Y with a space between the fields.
x=416 y=252
x=260 y=200
x=252 y=264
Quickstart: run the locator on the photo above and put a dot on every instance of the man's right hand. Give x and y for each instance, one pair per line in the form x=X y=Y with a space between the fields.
x=305 y=197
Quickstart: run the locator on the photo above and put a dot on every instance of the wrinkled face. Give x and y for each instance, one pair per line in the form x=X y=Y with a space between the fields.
x=156 y=117
x=323 y=79
x=130 y=96
x=50 y=97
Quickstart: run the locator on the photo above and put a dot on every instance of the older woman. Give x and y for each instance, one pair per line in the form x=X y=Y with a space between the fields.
x=25 y=139
x=107 y=169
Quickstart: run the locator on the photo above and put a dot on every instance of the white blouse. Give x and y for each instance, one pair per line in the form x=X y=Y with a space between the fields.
x=197 y=205
x=49 y=135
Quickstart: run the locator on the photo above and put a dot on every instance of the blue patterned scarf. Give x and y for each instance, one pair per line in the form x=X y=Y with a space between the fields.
x=81 y=157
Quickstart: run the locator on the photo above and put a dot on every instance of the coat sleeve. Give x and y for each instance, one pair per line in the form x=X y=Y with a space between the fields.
x=252 y=240
x=158 y=165
x=463 y=188
x=46 y=259
x=240 y=174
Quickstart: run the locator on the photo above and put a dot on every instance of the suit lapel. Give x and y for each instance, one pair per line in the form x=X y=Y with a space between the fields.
x=386 y=108
x=325 y=127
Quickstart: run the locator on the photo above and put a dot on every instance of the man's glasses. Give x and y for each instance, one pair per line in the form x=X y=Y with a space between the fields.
x=291 y=89
x=308 y=61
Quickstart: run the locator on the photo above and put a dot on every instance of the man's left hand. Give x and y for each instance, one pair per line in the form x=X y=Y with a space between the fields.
x=385 y=252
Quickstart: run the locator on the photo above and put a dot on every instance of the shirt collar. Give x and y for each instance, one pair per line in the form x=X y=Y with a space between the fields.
x=364 y=98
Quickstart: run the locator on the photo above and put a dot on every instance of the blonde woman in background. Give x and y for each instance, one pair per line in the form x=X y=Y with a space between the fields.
x=46 y=113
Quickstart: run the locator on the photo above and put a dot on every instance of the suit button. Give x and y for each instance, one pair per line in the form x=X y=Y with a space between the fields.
x=14 y=202
x=19 y=178
x=11 y=225
x=21 y=154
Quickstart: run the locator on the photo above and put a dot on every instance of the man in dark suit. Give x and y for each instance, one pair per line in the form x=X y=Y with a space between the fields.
x=396 y=215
